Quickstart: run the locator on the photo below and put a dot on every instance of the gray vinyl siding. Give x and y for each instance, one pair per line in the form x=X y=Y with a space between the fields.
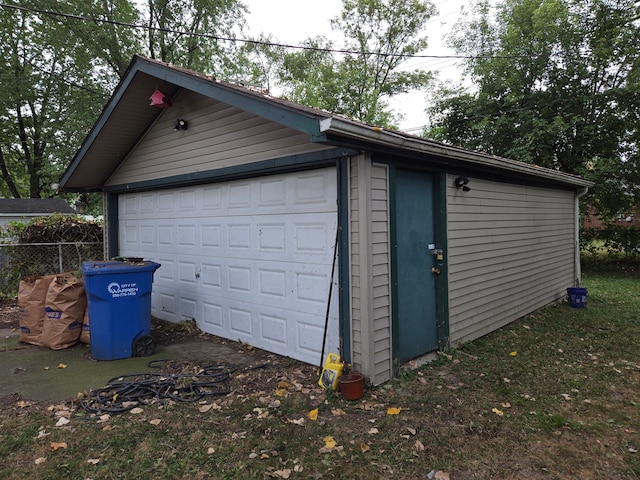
x=381 y=274
x=370 y=273
x=218 y=136
x=358 y=317
x=511 y=250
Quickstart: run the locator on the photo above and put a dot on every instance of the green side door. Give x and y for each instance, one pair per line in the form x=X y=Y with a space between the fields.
x=415 y=328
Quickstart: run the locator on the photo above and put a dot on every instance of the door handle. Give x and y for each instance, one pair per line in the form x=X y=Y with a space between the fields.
x=435 y=270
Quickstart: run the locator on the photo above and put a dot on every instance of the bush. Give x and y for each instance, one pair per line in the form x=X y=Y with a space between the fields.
x=613 y=239
x=54 y=229
x=71 y=240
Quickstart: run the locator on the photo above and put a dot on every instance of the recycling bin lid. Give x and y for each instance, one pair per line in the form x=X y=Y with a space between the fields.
x=109 y=267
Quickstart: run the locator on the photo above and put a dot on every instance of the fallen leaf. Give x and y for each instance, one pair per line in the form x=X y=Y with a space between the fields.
x=104 y=418
x=500 y=413
x=418 y=446
x=329 y=442
x=513 y=354
x=364 y=447
x=93 y=461
x=42 y=434
x=282 y=385
x=211 y=451
x=506 y=405
x=422 y=380
x=137 y=411
x=298 y=468
x=441 y=475
x=286 y=473
x=394 y=411
x=313 y=414
x=56 y=445
x=372 y=431
x=566 y=396
x=46 y=368
x=62 y=421
x=633 y=450
x=338 y=411
x=506 y=380
x=40 y=460
x=155 y=421
x=261 y=413
x=300 y=421
x=61 y=365
x=412 y=431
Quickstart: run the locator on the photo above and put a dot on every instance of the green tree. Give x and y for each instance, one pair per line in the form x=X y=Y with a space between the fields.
x=62 y=58
x=48 y=97
x=357 y=76
x=188 y=33
x=555 y=84
x=258 y=62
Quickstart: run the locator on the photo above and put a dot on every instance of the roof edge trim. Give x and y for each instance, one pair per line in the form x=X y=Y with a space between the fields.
x=378 y=135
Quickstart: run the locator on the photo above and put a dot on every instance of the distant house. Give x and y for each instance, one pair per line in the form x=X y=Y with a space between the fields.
x=593 y=220
x=24 y=209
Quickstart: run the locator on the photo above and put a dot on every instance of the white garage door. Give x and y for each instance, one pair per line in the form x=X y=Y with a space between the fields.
x=249 y=260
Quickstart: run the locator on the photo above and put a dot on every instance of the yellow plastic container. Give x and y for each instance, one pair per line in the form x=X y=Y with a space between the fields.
x=330 y=372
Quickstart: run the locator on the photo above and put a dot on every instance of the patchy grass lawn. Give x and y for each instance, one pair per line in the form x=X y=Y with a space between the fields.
x=554 y=395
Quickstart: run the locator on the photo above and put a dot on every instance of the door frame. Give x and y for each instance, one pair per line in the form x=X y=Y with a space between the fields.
x=440 y=227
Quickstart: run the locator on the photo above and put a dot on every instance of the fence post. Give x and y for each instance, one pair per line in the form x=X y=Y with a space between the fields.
x=60 y=257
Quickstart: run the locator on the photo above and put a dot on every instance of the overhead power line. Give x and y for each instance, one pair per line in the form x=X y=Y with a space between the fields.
x=244 y=40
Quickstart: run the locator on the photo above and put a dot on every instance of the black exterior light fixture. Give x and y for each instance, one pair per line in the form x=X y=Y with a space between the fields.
x=180 y=124
x=462 y=182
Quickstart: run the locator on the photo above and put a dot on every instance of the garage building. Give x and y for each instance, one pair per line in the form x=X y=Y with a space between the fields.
x=301 y=232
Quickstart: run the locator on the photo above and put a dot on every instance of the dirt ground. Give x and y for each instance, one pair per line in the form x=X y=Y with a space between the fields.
x=257 y=370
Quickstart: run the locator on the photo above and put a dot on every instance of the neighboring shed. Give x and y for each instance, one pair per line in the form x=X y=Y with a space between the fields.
x=24 y=209
x=243 y=208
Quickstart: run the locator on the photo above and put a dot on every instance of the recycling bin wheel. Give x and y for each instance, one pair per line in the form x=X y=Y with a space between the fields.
x=143 y=346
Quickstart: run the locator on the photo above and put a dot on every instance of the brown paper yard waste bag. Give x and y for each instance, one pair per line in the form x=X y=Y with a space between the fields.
x=32 y=294
x=85 y=336
x=64 y=311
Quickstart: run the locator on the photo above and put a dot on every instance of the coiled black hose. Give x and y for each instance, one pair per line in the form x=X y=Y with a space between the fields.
x=125 y=392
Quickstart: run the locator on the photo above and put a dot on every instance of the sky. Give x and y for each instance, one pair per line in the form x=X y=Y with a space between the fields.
x=291 y=21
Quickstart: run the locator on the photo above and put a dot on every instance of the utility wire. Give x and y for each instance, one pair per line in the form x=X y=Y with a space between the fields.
x=248 y=41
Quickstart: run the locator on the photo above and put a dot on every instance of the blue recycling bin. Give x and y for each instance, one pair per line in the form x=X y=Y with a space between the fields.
x=119 y=299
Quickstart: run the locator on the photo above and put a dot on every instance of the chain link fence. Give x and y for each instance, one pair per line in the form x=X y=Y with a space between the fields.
x=21 y=260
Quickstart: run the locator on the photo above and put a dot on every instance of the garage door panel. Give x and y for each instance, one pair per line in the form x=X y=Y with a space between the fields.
x=187 y=274
x=274 y=328
x=186 y=235
x=211 y=275
x=164 y=305
x=249 y=260
x=240 y=321
x=212 y=320
x=188 y=308
x=211 y=237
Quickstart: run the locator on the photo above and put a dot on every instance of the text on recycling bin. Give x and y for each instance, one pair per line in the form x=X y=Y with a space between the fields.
x=122 y=290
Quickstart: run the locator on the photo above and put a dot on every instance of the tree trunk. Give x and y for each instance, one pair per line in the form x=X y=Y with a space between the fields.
x=6 y=176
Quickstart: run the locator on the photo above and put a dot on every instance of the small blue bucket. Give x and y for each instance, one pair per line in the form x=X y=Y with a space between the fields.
x=577 y=297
